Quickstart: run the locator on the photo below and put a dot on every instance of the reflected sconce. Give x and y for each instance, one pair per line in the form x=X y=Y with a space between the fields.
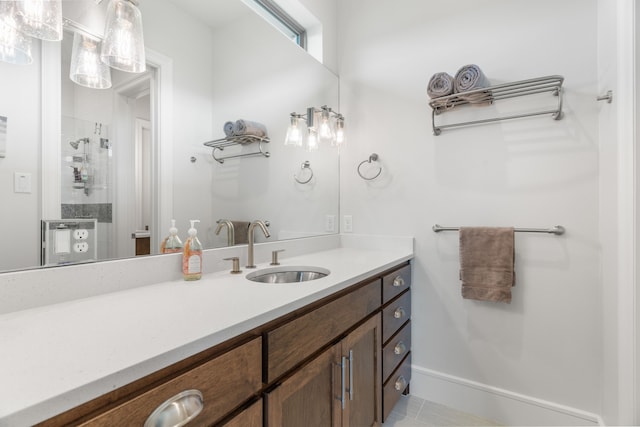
x=123 y=44
x=294 y=133
x=15 y=46
x=41 y=19
x=87 y=69
x=323 y=126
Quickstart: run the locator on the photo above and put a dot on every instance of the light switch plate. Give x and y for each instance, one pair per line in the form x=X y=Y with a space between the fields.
x=329 y=223
x=348 y=223
x=21 y=182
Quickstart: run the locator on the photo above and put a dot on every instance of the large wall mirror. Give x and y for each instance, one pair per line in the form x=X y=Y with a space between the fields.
x=140 y=143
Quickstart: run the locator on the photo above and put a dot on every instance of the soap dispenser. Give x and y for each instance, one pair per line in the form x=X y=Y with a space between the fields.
x=172 y=243
x=192 y=255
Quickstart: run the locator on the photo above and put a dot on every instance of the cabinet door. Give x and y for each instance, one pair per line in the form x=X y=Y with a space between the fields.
x=361 y=354
x=308 y=397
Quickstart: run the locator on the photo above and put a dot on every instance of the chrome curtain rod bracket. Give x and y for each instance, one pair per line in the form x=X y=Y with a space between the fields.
x=556 y=229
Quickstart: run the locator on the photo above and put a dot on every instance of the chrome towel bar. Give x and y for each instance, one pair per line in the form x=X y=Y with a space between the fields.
x=556 y=229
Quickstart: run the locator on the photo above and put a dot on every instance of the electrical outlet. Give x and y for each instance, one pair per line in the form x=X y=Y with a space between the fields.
x=329 y=223
x=80 y=247
x=80 y=234
x=348 y=223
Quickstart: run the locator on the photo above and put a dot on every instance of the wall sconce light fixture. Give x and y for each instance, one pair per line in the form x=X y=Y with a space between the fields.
x=323 y=126
x=122 y=47
x=86 y=67
x=41 y=19
x=15 y=47
x=123 y=44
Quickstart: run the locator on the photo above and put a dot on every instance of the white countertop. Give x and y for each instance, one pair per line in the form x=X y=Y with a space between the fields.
x=58 y=356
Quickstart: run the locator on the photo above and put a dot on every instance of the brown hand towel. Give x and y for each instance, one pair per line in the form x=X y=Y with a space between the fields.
x=487 y=263
x=241 y=234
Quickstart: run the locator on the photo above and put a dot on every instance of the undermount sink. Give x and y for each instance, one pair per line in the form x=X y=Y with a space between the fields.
x=288 y=274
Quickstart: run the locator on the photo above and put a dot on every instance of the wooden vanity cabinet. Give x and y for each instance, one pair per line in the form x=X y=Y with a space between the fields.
x=396 y=337
x=249 y=417
x=341 y=361
x=339 y=387
x=224 y=382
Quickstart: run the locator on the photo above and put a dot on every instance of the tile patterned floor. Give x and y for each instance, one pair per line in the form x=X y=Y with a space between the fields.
x=414 y=412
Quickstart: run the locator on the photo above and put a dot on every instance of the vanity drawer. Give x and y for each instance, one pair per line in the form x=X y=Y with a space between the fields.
x=395 y=283
x=224 y=383
x=291 y=343
x=396 y=350
x=395 y=315
x=250 y=417
x=398 y=383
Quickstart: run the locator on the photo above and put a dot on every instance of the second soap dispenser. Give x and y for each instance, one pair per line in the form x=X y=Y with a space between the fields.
x=192 y=255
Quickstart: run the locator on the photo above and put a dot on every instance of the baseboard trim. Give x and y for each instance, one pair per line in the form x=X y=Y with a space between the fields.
x=493 y=403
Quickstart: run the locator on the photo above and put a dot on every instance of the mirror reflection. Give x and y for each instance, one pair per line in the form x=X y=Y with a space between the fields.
x=133 y=157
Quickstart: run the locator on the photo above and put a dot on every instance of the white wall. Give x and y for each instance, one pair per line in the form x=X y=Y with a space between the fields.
x=23 y=156
x=536 y=172
x=273 y=78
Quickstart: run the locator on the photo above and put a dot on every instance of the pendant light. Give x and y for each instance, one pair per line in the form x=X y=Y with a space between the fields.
x=15 y=47
x=123 y=44
x=41 y=19
x=86 y=67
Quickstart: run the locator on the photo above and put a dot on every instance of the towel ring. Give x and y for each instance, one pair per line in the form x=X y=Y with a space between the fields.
x=305 y=165
x=372 y=158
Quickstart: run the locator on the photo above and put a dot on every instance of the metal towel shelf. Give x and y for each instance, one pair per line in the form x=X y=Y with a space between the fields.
x=556 y=229
x=491 y=94
x=221 y=144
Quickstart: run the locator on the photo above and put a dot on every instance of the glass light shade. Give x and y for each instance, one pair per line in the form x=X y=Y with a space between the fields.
x=340 y=138
x=312 y=140
x=123 y=44
x=325 y=132
x=294 y=135
x=41 y=19
x=15 y=47
x=86 y=67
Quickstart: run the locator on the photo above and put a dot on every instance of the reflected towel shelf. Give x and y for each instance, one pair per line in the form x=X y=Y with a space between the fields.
x=240 y=140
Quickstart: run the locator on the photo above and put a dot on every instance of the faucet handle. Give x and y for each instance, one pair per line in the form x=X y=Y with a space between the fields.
x=236 y=264
x=274 y=257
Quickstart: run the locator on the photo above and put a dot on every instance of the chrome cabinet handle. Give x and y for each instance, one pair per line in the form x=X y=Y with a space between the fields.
x=399 y=313
x=342 y=398
x=177 y=411
x=398 y=281
x=400 y=384
x=399 y=348
x=350 y=374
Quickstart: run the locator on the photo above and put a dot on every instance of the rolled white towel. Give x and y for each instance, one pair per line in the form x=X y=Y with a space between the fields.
x=246 y=127
x=440 y=84
x=228 y=128
x=471 y=77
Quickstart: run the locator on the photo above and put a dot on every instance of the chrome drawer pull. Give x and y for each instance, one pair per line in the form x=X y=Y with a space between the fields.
x=399 y=313
x=398 y=281
x=177 y=411
x=400 y=384
x=399 y=348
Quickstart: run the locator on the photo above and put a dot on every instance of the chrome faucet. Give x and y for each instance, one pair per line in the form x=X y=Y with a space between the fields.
x=263 y=226
x=231 y=239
